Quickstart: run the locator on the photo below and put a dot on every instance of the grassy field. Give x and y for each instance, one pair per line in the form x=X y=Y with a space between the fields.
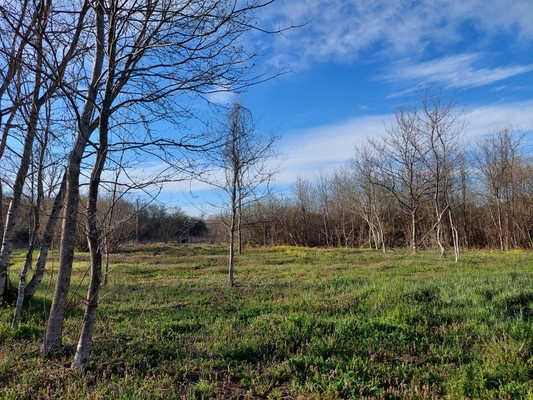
x=301 y=324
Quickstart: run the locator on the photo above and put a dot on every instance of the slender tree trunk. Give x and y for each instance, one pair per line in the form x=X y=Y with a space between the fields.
x=46 y=243
x=54 y=327
x=239 y=227
x=18 y=188
x=106 y=254
x=414 y=232
x=22 y=286
x=438 y=234
x=382 y=235
x=500 y=225
x=3 y=145
x=85 y=340
x=455 y=236
x=35 y=225
x=108 y=231
x=231 y=252
x=438 y=230
x=38 y=24
x=232 y=229
x=13 y=69
x=53 y=339
x=1 y=212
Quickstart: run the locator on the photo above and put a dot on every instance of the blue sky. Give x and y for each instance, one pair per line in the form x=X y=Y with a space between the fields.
x=354 y=61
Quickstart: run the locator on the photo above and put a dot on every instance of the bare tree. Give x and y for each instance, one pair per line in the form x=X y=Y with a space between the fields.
x=401 y=167
x=46 y=242
x=369 y=194
x=323 y=191
x=306 y=230
x=243 y=157
x=523 y=220
x=344 y=207
x=147 y=55
x=36 y=198
x=500 y=161
x=440 y=130
x=417 y=160
x=48 y=72
x=267 y=221
x=117 y=217
x=54 y=326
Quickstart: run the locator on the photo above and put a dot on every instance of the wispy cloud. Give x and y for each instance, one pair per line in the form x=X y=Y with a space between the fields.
x=323 y=148
x=483 y=119
x=458 y=71
x=343 y=30
x=326 y=148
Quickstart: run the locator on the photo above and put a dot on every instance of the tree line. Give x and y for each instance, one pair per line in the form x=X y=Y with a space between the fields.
x=417 y=184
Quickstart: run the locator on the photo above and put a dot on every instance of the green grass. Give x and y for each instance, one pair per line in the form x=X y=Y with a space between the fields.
x=302 y=323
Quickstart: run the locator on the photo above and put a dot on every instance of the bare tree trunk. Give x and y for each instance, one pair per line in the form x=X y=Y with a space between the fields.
x=14 y=68
x=232 y=228
x=85 y=340
x=35 y=225
x=231 y=253
x=455 y=236
x=53 y=339
x=381 y=235
x=1 y=212
x=438 y=225
x=106 y=253
x=414 y=232
x=25 y=268
x=239 y=228
x=500 y=226
x=20 y=294
x=18 y=187
x=438 y=234
x=46 y=243
x=109 y=227
x=22 y=284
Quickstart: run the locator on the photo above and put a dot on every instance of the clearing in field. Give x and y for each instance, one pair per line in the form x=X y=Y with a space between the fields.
x=300 y=323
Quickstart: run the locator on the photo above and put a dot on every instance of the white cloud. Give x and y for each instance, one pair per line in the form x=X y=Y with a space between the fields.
x=326 y=148
x=341 y=30
x=222 y=97
x=454 y=71
x=482 y=120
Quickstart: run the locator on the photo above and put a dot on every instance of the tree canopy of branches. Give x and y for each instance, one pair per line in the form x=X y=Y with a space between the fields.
x=415 y=160
x=243 y=158
x=103 y=73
